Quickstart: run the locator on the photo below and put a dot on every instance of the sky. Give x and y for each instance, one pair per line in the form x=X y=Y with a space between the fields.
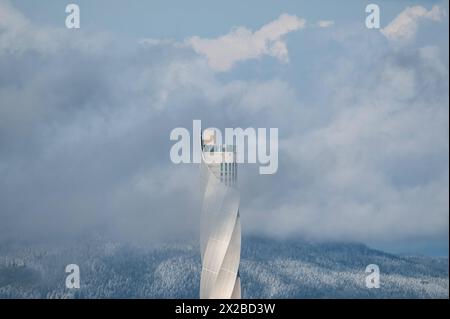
x=86 y=114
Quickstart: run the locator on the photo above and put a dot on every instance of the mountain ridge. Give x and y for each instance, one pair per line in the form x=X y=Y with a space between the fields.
x=269 y=269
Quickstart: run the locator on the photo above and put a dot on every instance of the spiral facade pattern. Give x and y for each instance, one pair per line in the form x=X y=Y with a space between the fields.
x=220 y=238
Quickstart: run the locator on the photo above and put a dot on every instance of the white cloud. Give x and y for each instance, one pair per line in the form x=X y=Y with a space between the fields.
x=404 y=26
x=325 y=23
x=18 y=34
x=380 y=160
x=11 y=18
x=243 y=44
x=157 y=41
x=363 y=153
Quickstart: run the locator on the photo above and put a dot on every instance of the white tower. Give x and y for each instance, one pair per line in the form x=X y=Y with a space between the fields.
x=220 y=237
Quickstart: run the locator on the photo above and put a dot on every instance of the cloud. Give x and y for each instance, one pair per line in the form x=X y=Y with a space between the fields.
x=325 y=23
x=11 y=18
x=242 y=44
x=84 y=139
x=404 y=26
x=19 y=35
x=379 y=161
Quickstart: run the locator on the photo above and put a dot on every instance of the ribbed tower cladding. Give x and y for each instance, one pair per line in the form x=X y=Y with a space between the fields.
x=220 y=237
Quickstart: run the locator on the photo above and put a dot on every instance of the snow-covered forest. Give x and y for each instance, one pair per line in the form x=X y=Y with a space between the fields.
x=269 y=269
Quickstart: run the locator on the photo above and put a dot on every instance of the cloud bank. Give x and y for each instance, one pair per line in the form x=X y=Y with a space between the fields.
x=85 y=124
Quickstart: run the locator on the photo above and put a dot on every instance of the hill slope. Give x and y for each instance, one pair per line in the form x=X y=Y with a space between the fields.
x=269 y=269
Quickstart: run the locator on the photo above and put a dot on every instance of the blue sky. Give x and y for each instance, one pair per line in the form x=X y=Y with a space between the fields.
x=178 y=19
x=362 y=117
